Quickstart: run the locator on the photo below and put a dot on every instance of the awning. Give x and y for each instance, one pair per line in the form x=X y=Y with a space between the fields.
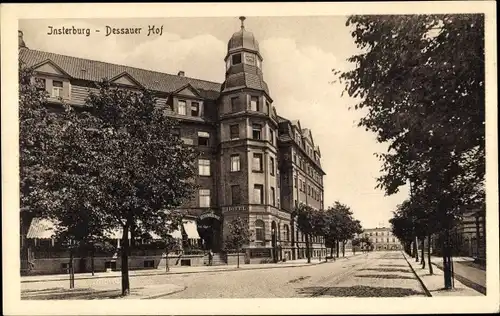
x=41 y=229
x=175 y=234
x=191 y=230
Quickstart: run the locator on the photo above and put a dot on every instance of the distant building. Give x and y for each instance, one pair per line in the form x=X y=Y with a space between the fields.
x=382 y=238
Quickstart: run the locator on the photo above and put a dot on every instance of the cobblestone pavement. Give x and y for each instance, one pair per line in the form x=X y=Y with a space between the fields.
x=367 y=275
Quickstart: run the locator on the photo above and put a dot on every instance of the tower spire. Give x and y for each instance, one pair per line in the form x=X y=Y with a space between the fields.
x=242 y=19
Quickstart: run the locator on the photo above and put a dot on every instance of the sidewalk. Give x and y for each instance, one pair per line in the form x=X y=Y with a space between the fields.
x=180 y=270
x=466 y=271
x=434 y=284
x=103 y=291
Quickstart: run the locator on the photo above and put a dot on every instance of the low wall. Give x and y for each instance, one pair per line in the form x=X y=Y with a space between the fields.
x=101 y=264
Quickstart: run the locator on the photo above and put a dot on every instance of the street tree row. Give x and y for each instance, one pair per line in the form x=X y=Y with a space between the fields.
x=419 y=81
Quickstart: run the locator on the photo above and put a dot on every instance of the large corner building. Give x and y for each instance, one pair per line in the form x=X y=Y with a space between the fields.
x=255 y=164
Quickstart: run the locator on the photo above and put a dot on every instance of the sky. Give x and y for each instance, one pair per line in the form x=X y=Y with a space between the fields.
x=299 y=55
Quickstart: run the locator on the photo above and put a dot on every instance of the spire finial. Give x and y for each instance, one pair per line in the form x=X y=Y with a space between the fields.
x=242 y=19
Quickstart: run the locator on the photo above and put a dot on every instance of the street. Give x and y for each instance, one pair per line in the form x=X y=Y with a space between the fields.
x=376 y=274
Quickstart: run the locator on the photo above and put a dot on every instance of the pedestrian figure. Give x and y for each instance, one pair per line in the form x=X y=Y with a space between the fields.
x=210 y=257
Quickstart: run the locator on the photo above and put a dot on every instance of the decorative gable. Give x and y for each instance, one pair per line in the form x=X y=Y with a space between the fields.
x=188 y=91
x=125 y=79
x=49 y=67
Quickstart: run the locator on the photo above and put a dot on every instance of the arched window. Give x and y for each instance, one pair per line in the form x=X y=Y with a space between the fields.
x=286 y=232
x=259 y=230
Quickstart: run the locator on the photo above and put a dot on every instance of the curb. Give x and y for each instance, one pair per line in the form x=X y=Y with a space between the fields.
x=150 y=297
x=469 y=283
x=180 y=272
x=426 y=290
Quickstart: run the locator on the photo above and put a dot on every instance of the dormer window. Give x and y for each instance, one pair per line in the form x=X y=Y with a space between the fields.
x=268 y=106
x=57 y=89
x=181 y=107
x=236 y=59
x=195 y=109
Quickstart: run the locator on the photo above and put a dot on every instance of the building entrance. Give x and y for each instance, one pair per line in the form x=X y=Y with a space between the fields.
x=209 y=228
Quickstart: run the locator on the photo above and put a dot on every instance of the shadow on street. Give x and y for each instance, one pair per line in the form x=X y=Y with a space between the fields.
x=384 y=276
x=357 y=291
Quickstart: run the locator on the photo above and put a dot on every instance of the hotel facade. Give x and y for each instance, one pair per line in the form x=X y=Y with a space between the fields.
x=254 y=163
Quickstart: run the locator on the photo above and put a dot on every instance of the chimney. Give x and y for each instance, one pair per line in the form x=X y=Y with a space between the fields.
x=21 y=43
x=180 y=73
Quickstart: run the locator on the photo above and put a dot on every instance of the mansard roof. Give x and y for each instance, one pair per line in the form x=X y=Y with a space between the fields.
x=92 y=70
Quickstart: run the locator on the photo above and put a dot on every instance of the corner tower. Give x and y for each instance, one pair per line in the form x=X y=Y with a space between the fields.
x=248 y=150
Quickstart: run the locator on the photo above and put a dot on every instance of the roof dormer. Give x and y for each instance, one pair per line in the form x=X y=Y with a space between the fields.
x=126 y=80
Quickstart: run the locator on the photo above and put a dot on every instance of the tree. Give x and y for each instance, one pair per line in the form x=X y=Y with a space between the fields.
x=305 y=222
x=167 y=242
x=121 y=147
x=239 y=235
x=421 y=81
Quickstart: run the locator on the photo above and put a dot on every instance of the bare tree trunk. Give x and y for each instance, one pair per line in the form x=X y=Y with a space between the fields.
x=238 y=258
x=92 y=264
x=167 y=267
x=71 y=270
x=422 y=255
x=331 y=251
x=429 y=254
x=415 y=248
x=446 y=261
x=308 y=254
x=338 y=248
x=124 y=257
x=343 y=248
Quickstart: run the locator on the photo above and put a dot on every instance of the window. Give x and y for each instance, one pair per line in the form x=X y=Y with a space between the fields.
x=257 y=162
x=259 y=230
x=181 y=107
x=295 y=158
x=234 y=131
x=286 y=232
x=393 y=239
x=371 y=234
x=258 y=194
x=236 y=59
x=273 y=196
x=271 y=165
x=204 y=167
x=256 y=131
x=300 y=184
x=271 y=136
x=295 y=181
x=235 y=194
x=235 y=104
x=40 y=84
x=57 y=89
x=195 y=109
x=235 y=163
x=204 y=198
x=387 y=239
x=254 y=104
x=268 y=106
x=376 y=239
x=203 y=138
x=376 y=233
